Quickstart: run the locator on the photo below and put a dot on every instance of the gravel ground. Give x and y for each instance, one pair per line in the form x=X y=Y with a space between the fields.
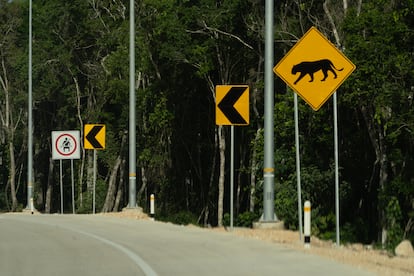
x=357 y=255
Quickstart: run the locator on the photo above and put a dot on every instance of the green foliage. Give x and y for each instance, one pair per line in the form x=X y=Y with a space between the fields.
x=184 y=49
x=244 y=219
x=350 y=232
x=323 y=226
x=87 y=202
x=286 y=204
x=180 y=218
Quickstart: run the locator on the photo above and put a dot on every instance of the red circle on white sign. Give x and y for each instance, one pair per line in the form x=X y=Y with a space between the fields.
x=66 y=144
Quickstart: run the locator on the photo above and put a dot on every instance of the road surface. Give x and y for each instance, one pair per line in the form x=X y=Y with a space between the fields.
x=101 y=245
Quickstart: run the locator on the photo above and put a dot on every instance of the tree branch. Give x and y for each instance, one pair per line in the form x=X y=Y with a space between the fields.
x=331 y=21
x=227 y=34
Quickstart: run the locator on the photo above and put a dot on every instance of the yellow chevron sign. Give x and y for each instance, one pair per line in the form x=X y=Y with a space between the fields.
x=232 y=105
x=94 y=136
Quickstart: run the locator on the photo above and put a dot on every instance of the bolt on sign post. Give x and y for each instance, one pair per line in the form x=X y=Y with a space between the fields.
x=232 y=108
x=94 y=138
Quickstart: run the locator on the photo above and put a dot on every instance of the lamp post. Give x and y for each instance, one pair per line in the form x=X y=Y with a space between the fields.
x=268 y=170
x=30 y=121
x=132 y=203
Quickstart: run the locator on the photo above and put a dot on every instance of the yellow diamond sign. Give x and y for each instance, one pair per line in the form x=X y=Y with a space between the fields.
x=314 y=68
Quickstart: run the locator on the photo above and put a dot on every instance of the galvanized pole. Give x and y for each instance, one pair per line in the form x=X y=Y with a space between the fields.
x=231 y=177
x=94 y=181
x=132 y=126
x=30 y=121
x=268 y=170
x=73 y=185
x=298 y=165
x=336 y=168
x=61 y=186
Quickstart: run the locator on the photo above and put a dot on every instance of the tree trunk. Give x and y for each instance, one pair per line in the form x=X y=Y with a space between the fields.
x=80 y=180
x=112 y=185
x=211 y=181
x=222 y=149
x=49 y=190
x=253 y=169
x=79 y=115
x=377 y=137
x=121 y=184
x=12 y=175
x=144 y=181
x=9 y=127
x=241 y=186
x=89 y=173
x=110 y=194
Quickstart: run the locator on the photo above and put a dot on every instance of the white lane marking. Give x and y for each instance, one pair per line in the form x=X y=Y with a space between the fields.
x=146 y=268
x=134 y=257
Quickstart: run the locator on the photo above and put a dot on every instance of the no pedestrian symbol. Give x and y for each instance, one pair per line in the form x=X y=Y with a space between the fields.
x=65 y=145
x=314 y=68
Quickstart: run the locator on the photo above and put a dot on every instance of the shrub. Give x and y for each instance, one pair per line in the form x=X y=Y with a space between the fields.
x=181 y=218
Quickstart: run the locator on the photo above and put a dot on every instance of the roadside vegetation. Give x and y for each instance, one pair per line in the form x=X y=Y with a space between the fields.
x=183 y=49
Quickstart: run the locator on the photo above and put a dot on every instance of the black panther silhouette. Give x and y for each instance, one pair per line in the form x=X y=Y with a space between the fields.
x=311 y=67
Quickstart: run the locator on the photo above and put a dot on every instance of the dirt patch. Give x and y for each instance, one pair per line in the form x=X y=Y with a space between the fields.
x=357 y=255
x=128 y=213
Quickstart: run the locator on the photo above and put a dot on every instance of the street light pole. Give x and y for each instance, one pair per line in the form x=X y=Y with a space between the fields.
x=30 y=121
x=132 y=125
x=268 y=170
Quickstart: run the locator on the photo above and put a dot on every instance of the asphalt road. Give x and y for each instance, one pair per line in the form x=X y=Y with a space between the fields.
x=99 y=245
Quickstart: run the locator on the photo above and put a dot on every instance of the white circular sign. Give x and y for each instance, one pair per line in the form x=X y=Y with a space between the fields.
x=66 y=144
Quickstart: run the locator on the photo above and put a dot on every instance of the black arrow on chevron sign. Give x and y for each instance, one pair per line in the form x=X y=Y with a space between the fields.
x=226 y=105
x=91 y=137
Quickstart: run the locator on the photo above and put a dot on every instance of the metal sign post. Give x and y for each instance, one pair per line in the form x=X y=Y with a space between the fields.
x=298 y=180
x=94 y=181
x=314 y=68
x=65 y=145
x=231 y=177
x=336 y=169
x=94 y=138
x=73 y=186
x=232 y=108
x=61 y=186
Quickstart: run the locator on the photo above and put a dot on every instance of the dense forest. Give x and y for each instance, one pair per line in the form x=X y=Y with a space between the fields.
x=183 y=49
